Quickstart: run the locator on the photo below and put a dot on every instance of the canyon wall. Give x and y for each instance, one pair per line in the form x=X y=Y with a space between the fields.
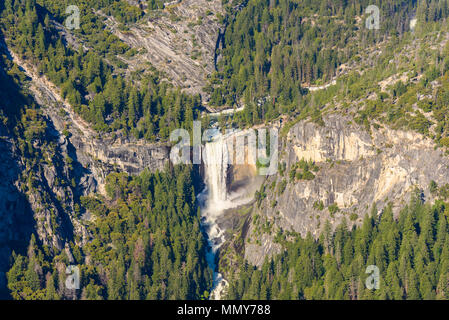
x=72 y=161
x=357 y=169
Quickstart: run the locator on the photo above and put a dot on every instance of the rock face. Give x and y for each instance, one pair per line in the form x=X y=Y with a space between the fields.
x=15 y=218
x=180 y=41
x=100 y=156
x=36 y=197
x=39 y=196
x=357 y=169
x=139 y=3
x=94 y=155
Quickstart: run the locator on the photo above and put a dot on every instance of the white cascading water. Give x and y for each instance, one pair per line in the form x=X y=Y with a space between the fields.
x=214 y=200
x=216 y=160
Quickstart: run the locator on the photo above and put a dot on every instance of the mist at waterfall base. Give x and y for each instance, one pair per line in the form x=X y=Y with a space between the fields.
x=214 y=200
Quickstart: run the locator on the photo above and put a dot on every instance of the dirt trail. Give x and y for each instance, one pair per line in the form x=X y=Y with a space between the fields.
x=40 y=84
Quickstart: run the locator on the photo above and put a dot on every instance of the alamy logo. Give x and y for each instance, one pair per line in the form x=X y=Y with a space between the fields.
x=73 y=21
x=372 y=282
x=373 y=21
x=72 y=281
x=234 y=147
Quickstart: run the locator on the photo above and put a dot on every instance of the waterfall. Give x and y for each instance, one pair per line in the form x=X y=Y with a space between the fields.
x=216 y=167
x=214 y=200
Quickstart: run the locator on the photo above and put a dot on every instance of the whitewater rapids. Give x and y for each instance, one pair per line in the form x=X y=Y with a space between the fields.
x=214 y=200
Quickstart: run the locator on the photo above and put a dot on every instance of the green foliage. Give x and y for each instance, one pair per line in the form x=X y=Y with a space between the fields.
x=411 y=252
x=318 y=205
x=96 y=89
x=333 y=208
x=272 y=50
x=147 y=244
x=442 y=192
x=433 y=187
x=146 y=238
x=302 y=170
x=281 y=187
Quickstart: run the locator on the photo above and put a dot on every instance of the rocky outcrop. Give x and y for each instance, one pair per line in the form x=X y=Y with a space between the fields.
x=357 y=169
x=100 y=156
x=40 y=194
x=179 y=41
x=36 y=197
x=15 y=217
x=95 y=155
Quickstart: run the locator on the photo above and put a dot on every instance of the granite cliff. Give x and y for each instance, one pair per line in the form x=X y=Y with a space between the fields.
x=357 y=169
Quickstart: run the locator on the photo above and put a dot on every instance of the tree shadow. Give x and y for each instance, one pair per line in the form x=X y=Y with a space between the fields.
x=16 y=216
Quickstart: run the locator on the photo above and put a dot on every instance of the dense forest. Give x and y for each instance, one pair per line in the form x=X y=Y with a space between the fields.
x=146 y=244
x=146 y=241
x=102 y=96
x=273 y=49
x=145 y=236
x=411 y=252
